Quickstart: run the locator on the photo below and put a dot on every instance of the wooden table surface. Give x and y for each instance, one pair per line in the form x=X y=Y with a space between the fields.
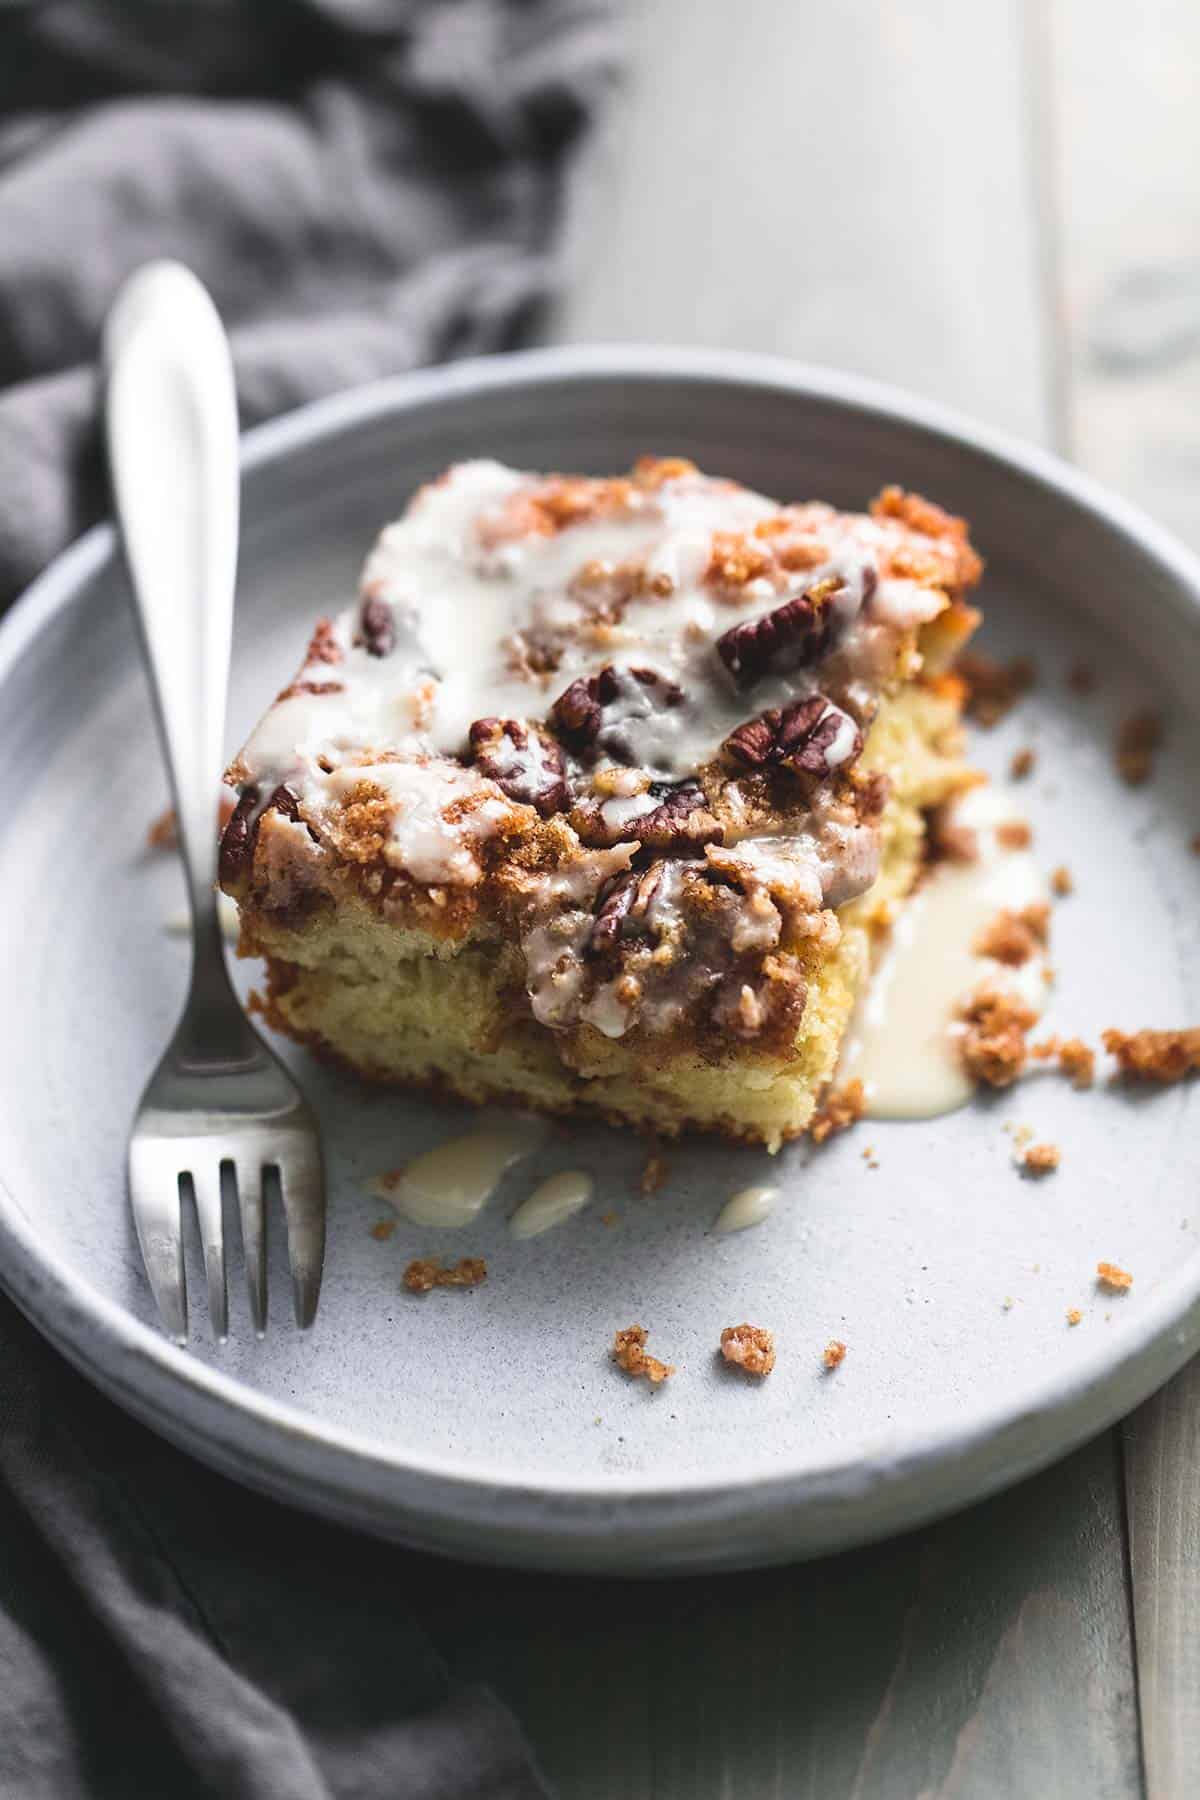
x=995 y=203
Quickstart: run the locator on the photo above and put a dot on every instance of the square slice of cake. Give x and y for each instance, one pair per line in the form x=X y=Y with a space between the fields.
x=600 y=795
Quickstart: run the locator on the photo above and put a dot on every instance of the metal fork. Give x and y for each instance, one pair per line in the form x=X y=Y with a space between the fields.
x=220 y=1112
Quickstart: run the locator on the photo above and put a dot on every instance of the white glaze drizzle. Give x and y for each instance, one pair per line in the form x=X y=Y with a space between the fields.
x=554 y=1200
x=450 y=1185
x=902 y=1044
x=459 y=602
x=749 y=1206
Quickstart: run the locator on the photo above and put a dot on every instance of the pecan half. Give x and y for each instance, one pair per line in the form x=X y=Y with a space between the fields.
x=377 y=627
x=793 y=636
x=524 y=763
x=812 y=736
x=681 y=818
x=241 y=833
x=578 y=715
x=627 y=898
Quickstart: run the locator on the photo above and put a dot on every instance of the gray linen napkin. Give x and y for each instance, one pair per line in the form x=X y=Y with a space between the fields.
x=364 y=185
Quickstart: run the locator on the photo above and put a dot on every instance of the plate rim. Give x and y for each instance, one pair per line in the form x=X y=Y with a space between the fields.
x=443 y=1503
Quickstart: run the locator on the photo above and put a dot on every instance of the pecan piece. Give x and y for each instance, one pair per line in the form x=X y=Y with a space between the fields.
x=377 y=627
x=793 y=636
x=812 y=736
x=627 y=898
x=524 y=763
x=241 y=833
x=752 y=743
x=681 y=818
x=578 y=715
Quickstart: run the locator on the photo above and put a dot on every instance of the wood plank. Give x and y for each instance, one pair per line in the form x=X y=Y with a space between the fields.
x=1162 y=1468
x=1126 y=138
x=1126 y=132
x=988 y=1656
x=833 y=183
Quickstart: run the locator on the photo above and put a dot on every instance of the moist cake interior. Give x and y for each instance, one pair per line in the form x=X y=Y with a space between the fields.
x=602 y=793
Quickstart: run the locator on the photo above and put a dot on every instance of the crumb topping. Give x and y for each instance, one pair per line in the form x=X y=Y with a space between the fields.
x=629 y=1353
x=750 y=1347
x=842 y=1107
x=1022 y=764
x=424 y=1274
x=1074 y=1316
x=1110 y=1276
x=834 y=1354
x=1062 y=882
x=1041 y=1159
x=1162 y=1056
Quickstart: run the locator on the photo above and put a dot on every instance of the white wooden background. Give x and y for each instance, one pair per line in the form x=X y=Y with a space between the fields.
x=995 y=203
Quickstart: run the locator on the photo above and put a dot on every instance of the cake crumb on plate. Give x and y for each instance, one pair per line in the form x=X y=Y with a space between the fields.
x=749 y=1347
x=1163 y=1056
x=629 y=1353
x=1137 y=739
x=993 y=688
x=426 y=1273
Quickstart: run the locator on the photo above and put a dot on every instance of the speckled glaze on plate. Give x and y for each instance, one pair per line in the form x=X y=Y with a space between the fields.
x=491 y=1424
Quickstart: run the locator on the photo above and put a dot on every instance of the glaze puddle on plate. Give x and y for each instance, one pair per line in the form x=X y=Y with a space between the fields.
x=449 y=1185
x=490 y=1446
x=903 y=1045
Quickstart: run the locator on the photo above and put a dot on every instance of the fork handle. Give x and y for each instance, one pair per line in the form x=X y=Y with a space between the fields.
x=172 y=434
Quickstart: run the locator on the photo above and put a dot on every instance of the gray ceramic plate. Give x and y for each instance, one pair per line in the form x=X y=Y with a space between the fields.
x=492 y=1424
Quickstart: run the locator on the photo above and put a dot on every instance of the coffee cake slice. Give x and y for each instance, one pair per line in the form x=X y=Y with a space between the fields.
x=599 y=796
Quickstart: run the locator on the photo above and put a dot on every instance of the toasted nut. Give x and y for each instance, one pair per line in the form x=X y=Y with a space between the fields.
x=812 y=736
x=241 y=833
x=793 y=636
x=525 y=764
x=749 y=1347
x=578 y=713
x=377 y=627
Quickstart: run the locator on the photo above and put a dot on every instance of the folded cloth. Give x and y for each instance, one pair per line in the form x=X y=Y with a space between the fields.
x=364 y=185
x=165 y=1633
